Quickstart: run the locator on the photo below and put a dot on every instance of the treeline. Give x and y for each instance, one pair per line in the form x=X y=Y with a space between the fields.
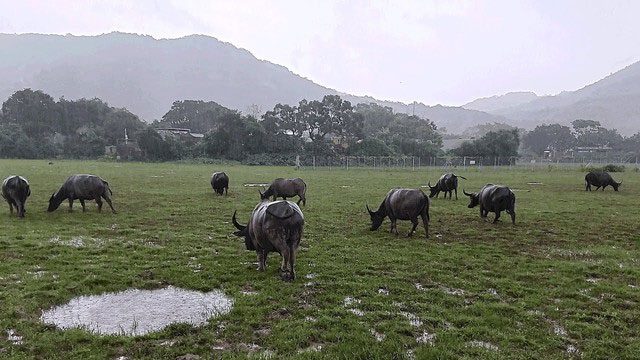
x=583 y=134
x=34 y=125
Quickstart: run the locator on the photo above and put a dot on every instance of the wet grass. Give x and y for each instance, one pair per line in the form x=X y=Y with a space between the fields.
x=564 y=282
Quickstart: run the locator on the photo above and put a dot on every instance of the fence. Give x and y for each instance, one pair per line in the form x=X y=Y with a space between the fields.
x=414 y=163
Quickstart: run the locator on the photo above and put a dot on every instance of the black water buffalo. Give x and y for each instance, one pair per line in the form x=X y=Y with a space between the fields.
x=82 y=187
x=494 y=198
x=447 y=183
x=600 y=180
x=220 y=183
x=402 y=204
x=285 y=188
x=274 y=226
x=15 y=190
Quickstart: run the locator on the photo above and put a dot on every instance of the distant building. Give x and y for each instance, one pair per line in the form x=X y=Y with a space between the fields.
x=180 y=132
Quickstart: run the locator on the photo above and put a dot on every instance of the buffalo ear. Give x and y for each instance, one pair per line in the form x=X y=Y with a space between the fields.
x=239 y=233
x=369 y=210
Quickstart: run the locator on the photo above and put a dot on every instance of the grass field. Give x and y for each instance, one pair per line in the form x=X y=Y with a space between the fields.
x=563 y=282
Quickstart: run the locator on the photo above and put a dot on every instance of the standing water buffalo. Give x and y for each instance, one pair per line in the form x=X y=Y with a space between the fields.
x=494 y=198
x=447 y=183
x=220 y=183
x=15 y=190
x=600 y=179
x=402 y=204
x=286 y=188
x=82 y=187
x=273 y=226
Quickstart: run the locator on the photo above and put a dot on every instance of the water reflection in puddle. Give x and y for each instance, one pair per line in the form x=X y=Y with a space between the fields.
x=138 y=312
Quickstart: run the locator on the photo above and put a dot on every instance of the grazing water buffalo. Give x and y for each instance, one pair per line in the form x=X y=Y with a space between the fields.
x=82 y=187
x=273 y=226
x=447 y=183
x=494 y=198
x=286 y=188
x=402 y=204
x=15 y=190
x=220 y=183
x=600 y=179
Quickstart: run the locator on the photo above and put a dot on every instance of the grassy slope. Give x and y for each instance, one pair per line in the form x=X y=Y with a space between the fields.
x=565 y=276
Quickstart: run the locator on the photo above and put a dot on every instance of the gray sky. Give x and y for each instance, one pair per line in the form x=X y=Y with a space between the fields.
x=447 y=52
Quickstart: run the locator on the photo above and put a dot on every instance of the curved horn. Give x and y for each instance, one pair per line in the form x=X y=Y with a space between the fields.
x=429 y=184
x=235 y=222
x=466 y=193
x=369 y=210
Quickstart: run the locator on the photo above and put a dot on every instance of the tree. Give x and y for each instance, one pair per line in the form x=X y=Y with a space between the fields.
x=154 y=147
x=555 y=137
x=36 y=112
x=235 y=138
x=501 y=144
x=283 y=119
x=590 y=133
x=376 y=118
x=198 y=116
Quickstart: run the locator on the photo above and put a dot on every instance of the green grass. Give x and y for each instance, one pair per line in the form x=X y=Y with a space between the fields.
x=566 y=275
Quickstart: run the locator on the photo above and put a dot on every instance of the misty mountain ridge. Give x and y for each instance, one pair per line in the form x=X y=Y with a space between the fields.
x=614 y=101
x=498 y=102
x=146 y=75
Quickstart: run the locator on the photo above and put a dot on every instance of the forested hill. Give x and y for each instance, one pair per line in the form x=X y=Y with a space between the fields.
x=145 y=75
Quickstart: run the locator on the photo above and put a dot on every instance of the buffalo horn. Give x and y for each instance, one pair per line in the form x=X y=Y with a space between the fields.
x=466 y=193
x=369 y=210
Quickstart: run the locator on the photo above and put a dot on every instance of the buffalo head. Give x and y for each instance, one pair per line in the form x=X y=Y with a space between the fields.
x=475 y=199
x=616 y=185
x=376 y=218
x=242 y=232
x=54 y=202
x=433 y=189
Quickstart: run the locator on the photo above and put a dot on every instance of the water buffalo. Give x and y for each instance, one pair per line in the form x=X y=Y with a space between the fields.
x=494 y=198
x=15 y=190
x=600 y=179
x=402 y=204
x=82 y=187
x=220 y=183
x=447 y=183
x=273 y=226
x=286 y=188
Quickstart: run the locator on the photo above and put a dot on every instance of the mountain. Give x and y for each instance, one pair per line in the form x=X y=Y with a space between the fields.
x=614 y=101
x=499 y=102
x=145 y=75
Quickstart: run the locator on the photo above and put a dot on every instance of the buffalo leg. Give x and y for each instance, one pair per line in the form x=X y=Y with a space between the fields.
x=292 y=261
x=108 y=200
x=99 y=202
x=497 y=217
x=597 y=188
x=70 y=205
x=482 y=213
x=285 y=274
x=413 y=229
x=226 y=191
x=513 y=217
x=425 y=223
x=82 y=203
x=587 y=187
x=456 y=190
x=10 y=207
x=262 y=260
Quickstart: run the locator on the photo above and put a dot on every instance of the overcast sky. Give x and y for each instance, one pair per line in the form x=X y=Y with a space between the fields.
x=437 y=52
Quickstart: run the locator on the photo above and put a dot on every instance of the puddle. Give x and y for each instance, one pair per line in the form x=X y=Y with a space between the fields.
x=137 y=312
x=255 y=185
x=534 y=183
x=379 y=336
x=426 y=338
x=76 y=241
x=483 y=345
x=13 y=337
x=414 y=320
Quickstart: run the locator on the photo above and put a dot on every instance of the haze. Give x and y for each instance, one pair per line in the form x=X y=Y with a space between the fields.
x=447 y=52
